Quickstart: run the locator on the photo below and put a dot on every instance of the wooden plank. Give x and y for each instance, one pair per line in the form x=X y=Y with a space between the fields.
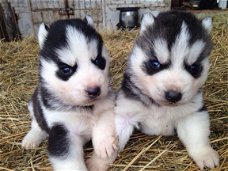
x=3 y=31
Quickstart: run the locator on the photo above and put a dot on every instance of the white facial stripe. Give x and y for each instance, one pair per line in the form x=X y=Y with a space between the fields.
x=77 y=43
x=195 y=51
x=161 y=50
x=105 y=54
x=93 y=49
x=78 y=49
x=137 y=57
x=49 y=69
x=180 y=48
x=66 y=56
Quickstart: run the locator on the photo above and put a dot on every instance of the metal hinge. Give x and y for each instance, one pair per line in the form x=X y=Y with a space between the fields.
x=66 y=11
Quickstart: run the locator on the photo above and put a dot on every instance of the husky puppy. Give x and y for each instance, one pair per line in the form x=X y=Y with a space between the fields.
x=73 y=101
x=162 y=87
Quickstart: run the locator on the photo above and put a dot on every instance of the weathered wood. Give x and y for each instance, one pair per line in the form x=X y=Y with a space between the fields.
x=34 y=12
x=9 y=29
x=3 y=31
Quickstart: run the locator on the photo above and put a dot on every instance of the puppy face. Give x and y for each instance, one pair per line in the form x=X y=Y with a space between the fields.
x=169 y=61
x=74 y=64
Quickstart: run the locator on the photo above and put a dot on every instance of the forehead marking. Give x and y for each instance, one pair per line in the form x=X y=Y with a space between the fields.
x=180 y=47
x=195 y=51
x=161 y=50
x=78 y=48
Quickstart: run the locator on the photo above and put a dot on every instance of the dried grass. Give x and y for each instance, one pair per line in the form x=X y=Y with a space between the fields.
x=18 y=78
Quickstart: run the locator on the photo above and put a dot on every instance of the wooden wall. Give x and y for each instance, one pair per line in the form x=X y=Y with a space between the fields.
x=31 y=13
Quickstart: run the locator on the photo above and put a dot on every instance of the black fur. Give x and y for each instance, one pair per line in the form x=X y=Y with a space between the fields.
x=100 y=62
x=203 y=108
x=61 y=73
x=133 y=92
x=38 y=112
x=147 y=69
x=195 y=69
x=58 y=142
x=57 y=39
x=167 y=25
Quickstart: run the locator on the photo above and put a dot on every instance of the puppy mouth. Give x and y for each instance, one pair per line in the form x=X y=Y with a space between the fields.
x=167 y=103
x=90 y=101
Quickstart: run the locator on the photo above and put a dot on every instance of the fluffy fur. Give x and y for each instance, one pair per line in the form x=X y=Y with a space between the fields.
x=161 y=90
x=73 y=102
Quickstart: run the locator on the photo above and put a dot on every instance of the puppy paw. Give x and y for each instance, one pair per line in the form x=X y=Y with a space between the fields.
x=106 y=147
x=96 y=164
x=32 y=140
x=206 y=157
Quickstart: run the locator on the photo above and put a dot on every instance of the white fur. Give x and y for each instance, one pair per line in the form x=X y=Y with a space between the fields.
x=82 y=79
x=207 y=24
x=42 y=34
x=192 y=127
x=175 y=78
x=162 y=119
x=195 y=51
x=82 y=125
x=89 y=19
x=161 y=50
x=147 y=20
x=36 y=135
x=180 y=47
x=74 y=160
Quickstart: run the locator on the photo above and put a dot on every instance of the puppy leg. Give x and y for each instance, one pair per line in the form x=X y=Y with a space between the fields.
x=124 y=129
x=65 y=149
x=194 y=131
x=34 y=137
x=104 y=142
x=96 y=163
x=103 y=135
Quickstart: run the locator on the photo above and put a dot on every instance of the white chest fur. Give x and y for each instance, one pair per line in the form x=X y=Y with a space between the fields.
x=78 y=123
x=153 y=120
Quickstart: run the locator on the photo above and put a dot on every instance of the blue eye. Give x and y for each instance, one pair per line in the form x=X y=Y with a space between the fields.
x=66 y=70
x=154 y=64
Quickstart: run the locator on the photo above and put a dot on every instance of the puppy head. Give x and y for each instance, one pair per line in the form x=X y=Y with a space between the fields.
x=169 y=61
x=74 y=63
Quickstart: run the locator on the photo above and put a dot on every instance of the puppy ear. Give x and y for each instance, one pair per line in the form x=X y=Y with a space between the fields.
x=42 y=34
x=89 y=20
x=207 y=24
x=147 y=20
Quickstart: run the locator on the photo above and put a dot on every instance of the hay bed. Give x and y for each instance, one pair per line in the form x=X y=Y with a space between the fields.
x=18 y=78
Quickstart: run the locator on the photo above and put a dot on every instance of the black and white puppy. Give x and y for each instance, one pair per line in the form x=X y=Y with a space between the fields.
x=73 y=101
x=162 y=87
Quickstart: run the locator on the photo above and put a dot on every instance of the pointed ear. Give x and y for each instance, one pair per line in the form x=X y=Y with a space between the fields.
x=207 y=24
x=89 y=20
x=147 y=20
x=42 y=34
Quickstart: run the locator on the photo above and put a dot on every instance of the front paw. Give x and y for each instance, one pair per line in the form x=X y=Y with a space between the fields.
x=105 y=147
x=31 y=140
x=95 y=164
x=205 y=157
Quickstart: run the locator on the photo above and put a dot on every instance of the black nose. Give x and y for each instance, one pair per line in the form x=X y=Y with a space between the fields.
x=173 y=96
x=93 y=92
